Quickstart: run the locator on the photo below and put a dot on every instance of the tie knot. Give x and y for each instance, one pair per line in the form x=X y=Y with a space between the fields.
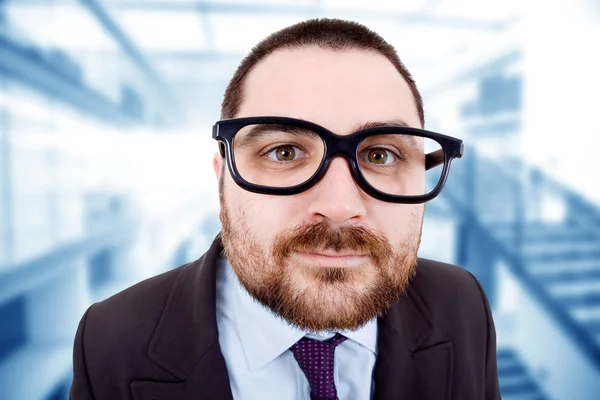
x=315 y=359
x=334 y=340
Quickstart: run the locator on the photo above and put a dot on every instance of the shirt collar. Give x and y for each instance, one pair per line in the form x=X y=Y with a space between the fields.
x=265 y=336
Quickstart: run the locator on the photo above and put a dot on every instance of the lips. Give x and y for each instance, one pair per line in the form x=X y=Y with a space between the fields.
x=331 y=259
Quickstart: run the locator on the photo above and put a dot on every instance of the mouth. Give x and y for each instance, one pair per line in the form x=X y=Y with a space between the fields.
x=332 y=259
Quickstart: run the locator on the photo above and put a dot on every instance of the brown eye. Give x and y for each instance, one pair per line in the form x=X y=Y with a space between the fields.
x=285 y=153
x=378 y=156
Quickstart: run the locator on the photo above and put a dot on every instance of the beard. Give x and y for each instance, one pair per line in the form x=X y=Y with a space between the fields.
x=316 y=298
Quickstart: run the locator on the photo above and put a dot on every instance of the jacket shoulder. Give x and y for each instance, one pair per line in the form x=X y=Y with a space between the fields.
x=461 y=314
x=119 y=330
x=442 y=278
x=451 y=294
x=140 y=301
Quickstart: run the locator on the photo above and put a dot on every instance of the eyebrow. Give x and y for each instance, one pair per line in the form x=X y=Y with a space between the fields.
x=261 y=130
x=379 y=124
x=391 y=122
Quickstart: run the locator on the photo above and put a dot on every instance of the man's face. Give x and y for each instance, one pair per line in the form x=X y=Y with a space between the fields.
x=331 y=257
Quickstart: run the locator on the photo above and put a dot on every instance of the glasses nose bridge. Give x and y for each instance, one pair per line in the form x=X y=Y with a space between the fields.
x=340 y=146
x=344 y=155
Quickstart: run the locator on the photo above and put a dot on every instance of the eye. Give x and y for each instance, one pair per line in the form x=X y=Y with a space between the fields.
x=380 y=156
x=285 y=153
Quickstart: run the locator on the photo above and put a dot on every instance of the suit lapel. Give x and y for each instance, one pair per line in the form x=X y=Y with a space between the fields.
x=186 y=339
x=408 y=364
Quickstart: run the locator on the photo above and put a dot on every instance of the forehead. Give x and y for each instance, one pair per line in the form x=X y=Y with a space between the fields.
x=336 y=89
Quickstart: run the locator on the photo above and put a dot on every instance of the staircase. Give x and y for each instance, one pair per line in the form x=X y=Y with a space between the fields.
x=515 y=381
x=564 y=259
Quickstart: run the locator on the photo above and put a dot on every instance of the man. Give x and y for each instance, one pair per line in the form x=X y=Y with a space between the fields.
x=313 y=289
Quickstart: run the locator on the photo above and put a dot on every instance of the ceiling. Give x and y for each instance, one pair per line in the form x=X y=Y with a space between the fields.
x=178 y=42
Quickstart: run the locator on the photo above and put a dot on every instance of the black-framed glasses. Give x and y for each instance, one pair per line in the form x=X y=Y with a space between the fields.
x=285 y=156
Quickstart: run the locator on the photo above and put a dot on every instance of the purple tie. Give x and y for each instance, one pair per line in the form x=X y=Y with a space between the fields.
x=316 y=361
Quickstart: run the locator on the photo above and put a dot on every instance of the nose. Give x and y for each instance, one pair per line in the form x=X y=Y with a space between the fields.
x=337 y=197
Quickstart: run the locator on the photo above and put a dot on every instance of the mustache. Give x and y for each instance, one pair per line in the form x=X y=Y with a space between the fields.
x=321 y=236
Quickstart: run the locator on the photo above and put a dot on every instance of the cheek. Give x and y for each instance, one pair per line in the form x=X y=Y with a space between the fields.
x=263 y=216
x=396 y=221
x=272 y=214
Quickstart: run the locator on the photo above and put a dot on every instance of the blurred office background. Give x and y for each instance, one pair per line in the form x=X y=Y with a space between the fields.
x=105 y=163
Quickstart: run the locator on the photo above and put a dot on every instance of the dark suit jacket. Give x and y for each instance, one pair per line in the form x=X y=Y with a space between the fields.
x=158 y=340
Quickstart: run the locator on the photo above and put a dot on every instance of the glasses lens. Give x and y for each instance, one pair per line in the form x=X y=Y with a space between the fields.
x=277 y=155
x=400 y=164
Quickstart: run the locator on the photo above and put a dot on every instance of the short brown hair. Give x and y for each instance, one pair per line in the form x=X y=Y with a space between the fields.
x=331 y=34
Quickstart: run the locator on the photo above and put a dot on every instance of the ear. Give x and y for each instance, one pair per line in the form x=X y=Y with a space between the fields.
x=217 y=163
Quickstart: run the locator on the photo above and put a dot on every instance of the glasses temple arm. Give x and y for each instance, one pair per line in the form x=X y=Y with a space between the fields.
x=434 y=159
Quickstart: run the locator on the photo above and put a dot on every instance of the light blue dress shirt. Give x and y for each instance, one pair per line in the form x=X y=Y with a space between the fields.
x=255 y=344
